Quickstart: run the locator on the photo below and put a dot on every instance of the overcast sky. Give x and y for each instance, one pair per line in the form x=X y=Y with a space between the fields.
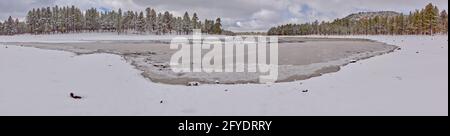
x=237 y=15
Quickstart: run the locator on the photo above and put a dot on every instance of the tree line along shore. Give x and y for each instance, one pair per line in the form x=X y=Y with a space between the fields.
x=70 y=19
x=427 y=21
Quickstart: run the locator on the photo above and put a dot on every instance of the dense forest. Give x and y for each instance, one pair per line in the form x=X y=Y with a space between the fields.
x=428 y=20
x=70 y=19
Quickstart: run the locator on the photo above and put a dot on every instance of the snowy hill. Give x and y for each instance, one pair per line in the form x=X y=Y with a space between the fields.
x=367 y=15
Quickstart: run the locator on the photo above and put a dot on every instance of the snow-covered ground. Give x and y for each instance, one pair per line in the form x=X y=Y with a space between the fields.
x=411 y=81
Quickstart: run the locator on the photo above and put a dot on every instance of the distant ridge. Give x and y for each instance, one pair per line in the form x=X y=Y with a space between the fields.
x=368 y=15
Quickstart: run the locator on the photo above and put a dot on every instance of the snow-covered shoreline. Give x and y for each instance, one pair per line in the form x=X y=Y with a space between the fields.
x=412 y=81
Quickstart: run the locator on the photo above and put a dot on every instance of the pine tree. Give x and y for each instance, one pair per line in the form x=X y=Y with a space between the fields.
x=209 y=26
x=65 y=20
x=134 y=21
x=159 y=24
x=10 y=28
x=401 y=24
x=444 y=21
x=79 y=20
x=119 y=23
x=153 y=19
x=166 y=23
x=61 y=20
x=435 y=26
x=125 y=21
x=141 y=23
x=200 y=25
x=179 y=25
x=2 y=29
x=187 y=27
x=205 y=28
x=109 y=21
x=417 y=22
x=54 y=19
x=173 y=24
x=218 y=26
x=195 y=21
x=150 y=20
x=31 y=21
x=16 y=26
x=103 y=21
x=47 y=14
x=430 y=18
x=92 y=18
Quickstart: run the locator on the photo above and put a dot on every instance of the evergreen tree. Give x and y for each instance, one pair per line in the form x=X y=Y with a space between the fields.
x=2 y=29
x=194 y=22
x=92 y=18
x=159 y=24
x=119 y=22
x=166 y=23
x=54 y=19
x=153 y=20
x=187 y=27
x=217 y=27
x=209 y=26
x=31 y=21
x=150 y=20
x=61 y=24
x=401 y=25
x=430 y=18
x=78 y=20
x=179 y=25
x=444 y=21
x=134 y=21
x=16 y=26
x=141 y=23
x=9 y=26
x=126 y=21
x=47 y=14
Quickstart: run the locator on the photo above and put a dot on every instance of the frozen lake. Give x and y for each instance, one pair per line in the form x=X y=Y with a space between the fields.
x=411 y=81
